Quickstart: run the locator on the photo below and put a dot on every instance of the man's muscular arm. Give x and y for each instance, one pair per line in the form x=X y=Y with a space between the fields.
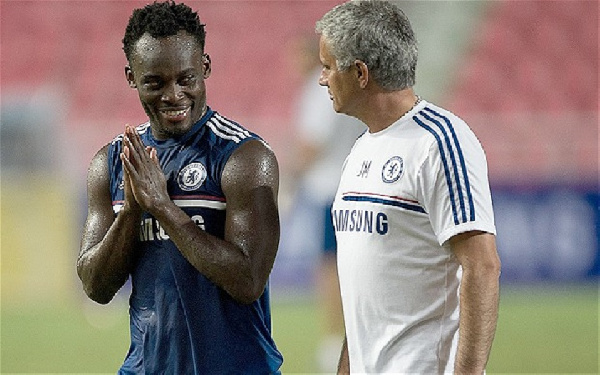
x=107 y=243
x=240 y=263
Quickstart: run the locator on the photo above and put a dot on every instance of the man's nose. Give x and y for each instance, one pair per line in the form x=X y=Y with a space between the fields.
x=323 y=79
x=172 y=93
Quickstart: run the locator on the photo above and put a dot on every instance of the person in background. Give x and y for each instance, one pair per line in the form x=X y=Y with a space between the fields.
x=322 y=140
x=186 y=205
x=417 y=259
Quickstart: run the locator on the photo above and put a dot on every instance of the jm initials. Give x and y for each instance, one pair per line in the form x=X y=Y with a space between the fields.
x=364 y=170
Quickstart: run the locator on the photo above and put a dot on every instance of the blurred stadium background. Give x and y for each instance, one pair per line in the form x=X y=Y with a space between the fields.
x=524 y=75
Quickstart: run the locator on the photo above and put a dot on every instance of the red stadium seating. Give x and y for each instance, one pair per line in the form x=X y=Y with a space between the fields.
x=531 y=60
x=78 y=46
x=529 y=87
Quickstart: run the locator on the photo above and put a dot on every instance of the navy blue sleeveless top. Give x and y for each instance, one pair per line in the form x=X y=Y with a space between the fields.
x=180 y=322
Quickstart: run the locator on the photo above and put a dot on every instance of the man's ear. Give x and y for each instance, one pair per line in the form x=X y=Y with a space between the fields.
x=207 y=65
x=362 y=73
x=130 y=77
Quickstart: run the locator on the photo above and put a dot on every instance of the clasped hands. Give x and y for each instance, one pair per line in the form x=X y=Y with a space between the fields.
x=145 y=184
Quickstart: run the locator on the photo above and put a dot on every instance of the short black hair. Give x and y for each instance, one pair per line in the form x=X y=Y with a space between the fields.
x=162 y=19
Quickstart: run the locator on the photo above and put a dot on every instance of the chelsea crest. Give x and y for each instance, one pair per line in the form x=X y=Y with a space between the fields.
x=392 y=170
x=191 y=176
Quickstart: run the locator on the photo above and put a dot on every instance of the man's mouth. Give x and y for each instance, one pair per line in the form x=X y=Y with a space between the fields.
x=176 y=115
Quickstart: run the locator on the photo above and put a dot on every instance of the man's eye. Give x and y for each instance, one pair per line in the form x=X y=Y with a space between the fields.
x=152 y=85
x=187 y=80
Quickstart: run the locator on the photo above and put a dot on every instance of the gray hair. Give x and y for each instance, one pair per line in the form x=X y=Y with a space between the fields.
x=377 y=33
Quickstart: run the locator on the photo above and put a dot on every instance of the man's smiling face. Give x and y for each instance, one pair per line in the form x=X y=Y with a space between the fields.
x=169 y=75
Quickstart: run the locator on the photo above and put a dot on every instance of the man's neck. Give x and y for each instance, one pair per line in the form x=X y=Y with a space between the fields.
x=387 y=107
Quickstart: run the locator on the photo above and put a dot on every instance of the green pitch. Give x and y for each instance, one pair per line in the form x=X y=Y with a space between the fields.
x=549 y=330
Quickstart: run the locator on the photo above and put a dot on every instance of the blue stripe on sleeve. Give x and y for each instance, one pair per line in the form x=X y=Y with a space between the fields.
x=446 y=138
x=445 y=164
x=462 y=162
